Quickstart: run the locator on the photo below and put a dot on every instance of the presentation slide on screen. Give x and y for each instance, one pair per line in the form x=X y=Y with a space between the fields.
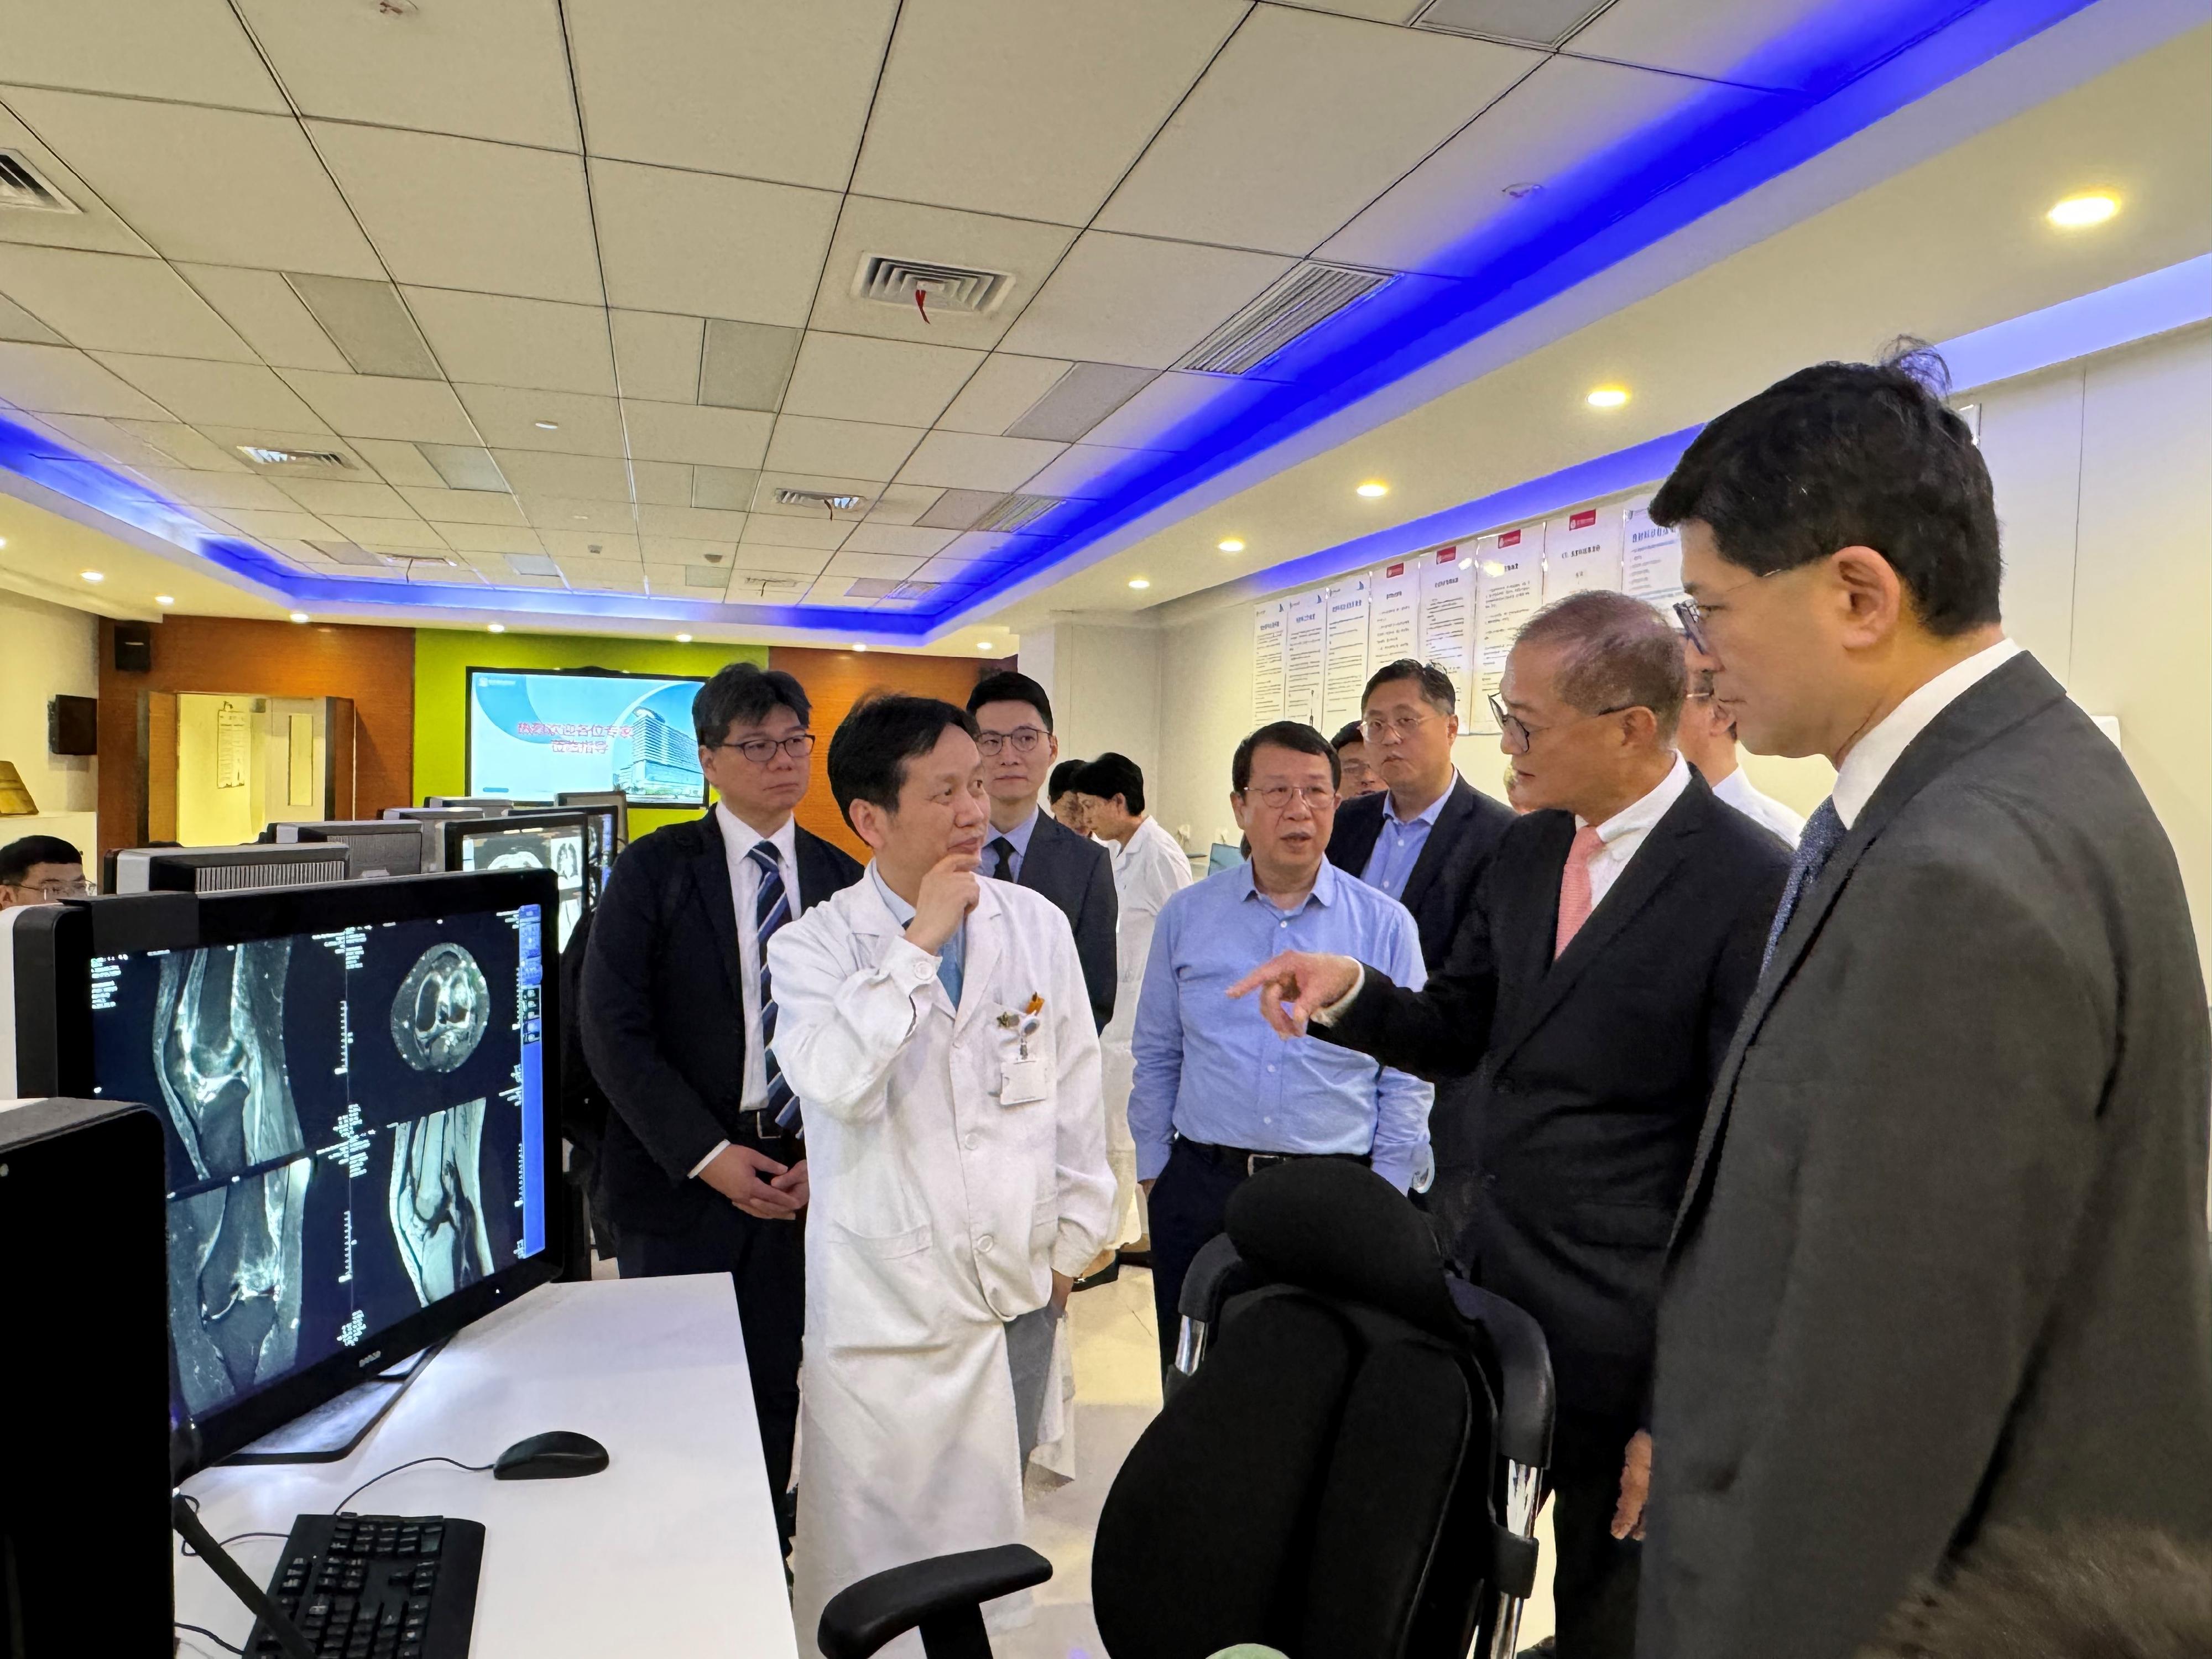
x=531 y=736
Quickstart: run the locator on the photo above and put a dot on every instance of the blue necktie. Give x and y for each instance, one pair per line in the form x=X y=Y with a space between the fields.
x=1824 y=832
x=950 y=969
x=770 y=912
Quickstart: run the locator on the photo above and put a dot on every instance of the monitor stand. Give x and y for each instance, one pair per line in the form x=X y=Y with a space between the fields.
x=332 y=1431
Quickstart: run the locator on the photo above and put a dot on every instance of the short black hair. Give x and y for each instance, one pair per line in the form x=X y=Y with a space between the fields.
x=1351 y=731
x=1282 y=734
x=872 y=745
x=1113 y=775
x=1851 y=455
x=1436 y=685
x=744 y=691
x=17 y=857
x=1062 y=779
x=1007 y=686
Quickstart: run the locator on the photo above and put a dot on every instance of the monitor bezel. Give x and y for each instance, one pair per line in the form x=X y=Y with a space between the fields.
x=458 y=830
x=469 y=723
x=157 y=922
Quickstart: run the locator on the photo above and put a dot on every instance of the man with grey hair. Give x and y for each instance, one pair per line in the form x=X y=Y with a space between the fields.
x=1613 y=940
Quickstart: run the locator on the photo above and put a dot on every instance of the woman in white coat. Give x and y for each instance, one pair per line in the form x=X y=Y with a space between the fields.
x=936 y=1029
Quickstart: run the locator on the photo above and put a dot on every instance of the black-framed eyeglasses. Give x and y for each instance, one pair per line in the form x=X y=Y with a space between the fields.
x=760 y=751
x=1023 y=739
x=1694 y=617
x=1519 y=734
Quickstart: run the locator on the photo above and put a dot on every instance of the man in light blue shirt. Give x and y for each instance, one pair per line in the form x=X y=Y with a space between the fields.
x=1218 y=1095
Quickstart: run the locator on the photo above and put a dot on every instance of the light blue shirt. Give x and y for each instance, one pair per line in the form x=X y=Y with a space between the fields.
x=1019 y=837
x=952 y=956
x=1398 y=847
x=1210 y=1069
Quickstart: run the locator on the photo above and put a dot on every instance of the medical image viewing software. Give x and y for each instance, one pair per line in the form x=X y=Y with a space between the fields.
x=355 y=1125
x=529 y=843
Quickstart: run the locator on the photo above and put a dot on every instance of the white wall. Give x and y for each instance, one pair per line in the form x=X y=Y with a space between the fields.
x=47 y=651
x=1103 y=678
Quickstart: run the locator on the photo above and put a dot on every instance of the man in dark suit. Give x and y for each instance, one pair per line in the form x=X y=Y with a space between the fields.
x=1424 y=839
x=1026 y=845
x=703 y=1169
x=1941 y=1267
x=1592 y=991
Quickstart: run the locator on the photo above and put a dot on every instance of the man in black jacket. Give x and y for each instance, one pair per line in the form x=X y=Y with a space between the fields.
x=1612 y=941
x=1424 y=843
x=703 y=1169
x=1026 y=845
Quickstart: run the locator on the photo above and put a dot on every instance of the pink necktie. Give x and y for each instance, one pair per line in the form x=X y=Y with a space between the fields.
x=1575 y=886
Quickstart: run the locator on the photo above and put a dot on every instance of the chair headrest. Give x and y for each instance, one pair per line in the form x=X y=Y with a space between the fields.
x=1335 y=1226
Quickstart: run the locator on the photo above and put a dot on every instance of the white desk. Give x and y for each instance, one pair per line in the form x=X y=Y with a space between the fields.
x=670 y=1552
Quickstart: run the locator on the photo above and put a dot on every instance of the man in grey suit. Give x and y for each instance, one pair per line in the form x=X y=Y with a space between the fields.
x=1940 y=1266
x=1026 y=845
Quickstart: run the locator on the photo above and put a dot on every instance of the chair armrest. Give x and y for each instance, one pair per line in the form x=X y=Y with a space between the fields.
x=1526 y=1402
x=1209 y=1281
x=861 y=1618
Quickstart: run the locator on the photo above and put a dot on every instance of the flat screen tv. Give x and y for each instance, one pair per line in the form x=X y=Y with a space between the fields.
x=533 y=735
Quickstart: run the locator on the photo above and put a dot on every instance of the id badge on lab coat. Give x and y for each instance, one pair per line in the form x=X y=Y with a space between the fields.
x=1023 y=1081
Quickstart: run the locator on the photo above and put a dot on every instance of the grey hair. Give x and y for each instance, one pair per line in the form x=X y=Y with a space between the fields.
x=1616 y=654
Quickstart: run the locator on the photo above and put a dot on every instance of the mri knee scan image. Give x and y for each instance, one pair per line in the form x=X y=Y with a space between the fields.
x=438 y=1013
x=437 y=1201
x=557 y=848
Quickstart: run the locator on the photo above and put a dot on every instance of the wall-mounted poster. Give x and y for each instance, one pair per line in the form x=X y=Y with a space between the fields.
x=1344 y=667
x=1511 y=568
x=1305 y=638
x=1449 y=618
x=1394 y=627
x=1651 y=558
x=1582 y=549
x=1268 y=624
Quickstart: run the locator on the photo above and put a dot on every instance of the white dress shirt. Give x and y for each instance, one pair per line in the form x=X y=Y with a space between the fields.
x=1737 y=790
x=1624 y=832
x=738 y=839
x=1873 y=755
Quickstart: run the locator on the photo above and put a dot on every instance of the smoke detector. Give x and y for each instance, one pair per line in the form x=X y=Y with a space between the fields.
x=896 y=281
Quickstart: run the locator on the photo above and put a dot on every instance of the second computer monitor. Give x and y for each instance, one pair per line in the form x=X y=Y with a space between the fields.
x=374 y=847
x=530 y=841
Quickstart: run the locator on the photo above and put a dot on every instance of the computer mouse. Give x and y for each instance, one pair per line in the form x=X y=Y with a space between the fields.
x=552 y=1456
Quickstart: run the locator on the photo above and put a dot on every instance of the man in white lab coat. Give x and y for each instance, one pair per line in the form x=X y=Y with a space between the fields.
x=937 y=1029
x=1150 y=868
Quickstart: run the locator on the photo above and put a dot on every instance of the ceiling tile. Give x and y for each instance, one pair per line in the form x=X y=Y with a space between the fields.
x=1085 y=471
x=93 y=226
x=776 y=531
x=612 y=558
x=220 y=186
x=550 y=513
x=695 y=243
x=324 y=496
x=752 y=586
x=103 y=440
x=898 y=538
x=261 y=307
x=658 y=355
x=401 y=463
x=758 y=88
x=267 y=525
x=17 y=323
x=493 y=339
x=830 y=590
x=1026 y=251
x=746 y=365
x=1003 y=390
x=851 y=377
x=463 y=467
x=963 y=460
x=681 y=549
x=1303 y=120
x=1032 y=108
x=685 y=432
x=230 y=394
x=1761 y=43
x=378 y=406
x=109 y=302
x=376 y=532
x=724 y=489
x=894 y=566
x=461 y=213
x=1569 y=111
x=226 y=439
x=187 y=446
x=509 y=418
x=489 y=69
x=190 y=51
x=902 y=504
x=1128 y=300
x=1150 y=419
x=662 y=483
x=467 y=538
x=584 y=478
x=690 y=521
x=483 y=506
x=805 y=444
x=219 y=490
x=794 y=561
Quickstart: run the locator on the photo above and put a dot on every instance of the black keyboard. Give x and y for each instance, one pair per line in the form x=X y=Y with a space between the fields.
x=378 y=1586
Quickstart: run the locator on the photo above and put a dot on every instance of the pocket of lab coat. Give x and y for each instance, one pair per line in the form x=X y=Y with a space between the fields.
x=877 y=1294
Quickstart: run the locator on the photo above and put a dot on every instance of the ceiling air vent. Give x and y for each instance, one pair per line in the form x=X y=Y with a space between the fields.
x=829 y=499
x=883 y=587
x=895 y=281
x=1547 y=23
x=986 y=509
x=1302 y=297
x=327 y=459
x=1014 y=511
x=22 y=185
x=349 y=553
x=771 y=587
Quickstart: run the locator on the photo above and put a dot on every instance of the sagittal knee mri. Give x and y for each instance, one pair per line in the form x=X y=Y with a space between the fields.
x=437 y=1201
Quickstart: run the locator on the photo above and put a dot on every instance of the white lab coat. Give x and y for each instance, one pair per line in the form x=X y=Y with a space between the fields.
x=937 y=1215
x=1147 y=873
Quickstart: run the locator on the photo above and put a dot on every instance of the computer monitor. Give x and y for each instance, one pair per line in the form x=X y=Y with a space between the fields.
x=606 y=832
x=485 y=803
x=225 y=869
x=356 y=1086
x=1223 y=855
x=612 y=800
x=374 y=847
x=530 y=841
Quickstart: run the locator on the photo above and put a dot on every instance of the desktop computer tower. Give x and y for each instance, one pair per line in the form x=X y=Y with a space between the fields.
x=85 y=1556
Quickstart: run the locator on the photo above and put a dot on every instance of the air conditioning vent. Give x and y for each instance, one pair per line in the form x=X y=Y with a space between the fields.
x=768 y=587
x=532 y=564
x=349 y=553
x=1301 y=298
x=828 y=501
x=22 y=185
x=1546 y=23
x=1014 y=511
x=322 y=460
x=986 y=509
x=705 y=575
x=895 y=282
x=883 y=587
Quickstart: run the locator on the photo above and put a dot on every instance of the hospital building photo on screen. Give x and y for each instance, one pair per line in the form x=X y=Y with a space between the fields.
x=533 y=736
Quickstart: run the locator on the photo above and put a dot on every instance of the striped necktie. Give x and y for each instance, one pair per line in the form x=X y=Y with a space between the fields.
x=770 y=912
x=1824 y=832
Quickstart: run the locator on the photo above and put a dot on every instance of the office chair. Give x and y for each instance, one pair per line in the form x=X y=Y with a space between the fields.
x=1349 y=1461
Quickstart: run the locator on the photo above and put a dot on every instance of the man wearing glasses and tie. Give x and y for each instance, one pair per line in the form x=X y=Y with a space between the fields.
x=41 y=870
x=703 y=1168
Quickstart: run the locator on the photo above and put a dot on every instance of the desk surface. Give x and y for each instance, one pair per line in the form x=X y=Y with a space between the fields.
x=670 y=1552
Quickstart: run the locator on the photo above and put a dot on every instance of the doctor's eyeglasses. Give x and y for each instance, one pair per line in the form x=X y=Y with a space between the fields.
x=760 y=751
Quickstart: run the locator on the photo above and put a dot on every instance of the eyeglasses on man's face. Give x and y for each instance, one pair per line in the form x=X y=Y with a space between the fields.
x=1519 y=734
x=1696 y=618
x=760 y=751
x=1275 y=797
x=1397 y=728
x=53 y=892
x=1022 y=740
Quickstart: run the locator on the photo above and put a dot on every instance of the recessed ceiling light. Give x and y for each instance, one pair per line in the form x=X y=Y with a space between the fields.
x=498 y=628
x=857 y=646
x=165 y=598
x=4 y=541
x=298 y=616
x=1371 y=490
x=982 y=645
x=2077 y=211
x=93 y=575
x=1140 y=582
x=1607 y=397
x=682 y=639
x=1232 y=545
x=548 y=426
